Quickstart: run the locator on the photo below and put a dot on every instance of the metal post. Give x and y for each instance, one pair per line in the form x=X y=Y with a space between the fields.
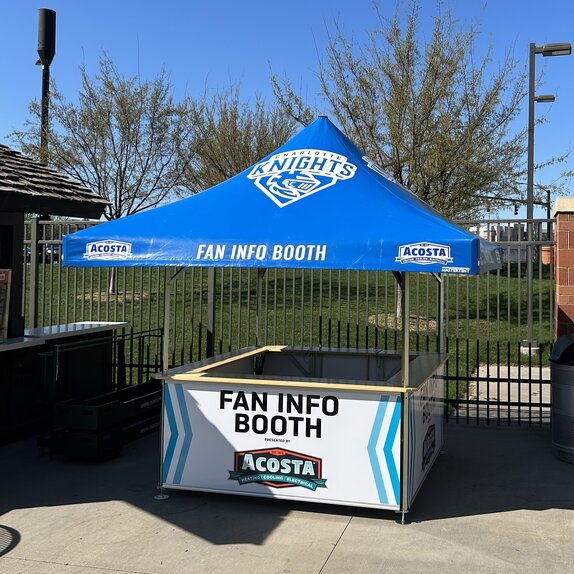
x=165 y=342
x=169 y=279
x=210 y=351
x=530 y=192
x=439 y=313
x=164 y=367
x=554 y=49
x=162 y=495
x=260 y=275
x=44 y=120
x=34 y=267
x=46 y=52
x=405 y=304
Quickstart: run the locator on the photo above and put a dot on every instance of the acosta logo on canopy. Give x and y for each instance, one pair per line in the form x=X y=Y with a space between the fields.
x=108 y=249
x=424 y=254
x=289 y=176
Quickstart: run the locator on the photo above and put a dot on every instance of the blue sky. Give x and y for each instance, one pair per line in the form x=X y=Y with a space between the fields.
x=209 y=44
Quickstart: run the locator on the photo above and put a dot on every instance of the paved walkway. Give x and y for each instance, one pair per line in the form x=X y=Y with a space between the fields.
x=526 y=398
x=497 y=500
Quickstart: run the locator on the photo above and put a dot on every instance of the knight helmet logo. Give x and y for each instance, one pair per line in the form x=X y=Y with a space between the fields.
x=292 y=175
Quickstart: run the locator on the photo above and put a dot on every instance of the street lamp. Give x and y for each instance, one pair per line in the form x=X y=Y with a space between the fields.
x=558 y=49
x=46 y=51
x=546 y=98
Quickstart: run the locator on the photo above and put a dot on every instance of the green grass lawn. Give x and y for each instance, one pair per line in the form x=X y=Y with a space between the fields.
x=484 y=316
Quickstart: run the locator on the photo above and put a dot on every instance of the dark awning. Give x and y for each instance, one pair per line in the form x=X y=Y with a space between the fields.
x=26 y=186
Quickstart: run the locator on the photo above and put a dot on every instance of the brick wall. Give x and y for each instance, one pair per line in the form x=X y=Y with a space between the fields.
x=564 y=262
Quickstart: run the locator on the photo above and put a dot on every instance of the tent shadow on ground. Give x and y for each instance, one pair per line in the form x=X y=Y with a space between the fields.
x=489 y=469
x=133 y=477
x=483 y=470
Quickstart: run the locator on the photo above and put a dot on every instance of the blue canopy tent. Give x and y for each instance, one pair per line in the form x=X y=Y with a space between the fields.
x=316 y=202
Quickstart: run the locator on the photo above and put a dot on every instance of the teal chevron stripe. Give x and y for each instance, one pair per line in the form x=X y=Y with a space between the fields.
x=372 y=449
x=187 y=434
x=394 y=428
x=170 y=415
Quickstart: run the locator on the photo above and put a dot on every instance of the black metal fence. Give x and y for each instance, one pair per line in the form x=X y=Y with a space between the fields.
x=494 y=373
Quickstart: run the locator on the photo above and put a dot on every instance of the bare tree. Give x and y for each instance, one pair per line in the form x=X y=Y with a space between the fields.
x=439 y=121
x=122 y=138
x=230 y=136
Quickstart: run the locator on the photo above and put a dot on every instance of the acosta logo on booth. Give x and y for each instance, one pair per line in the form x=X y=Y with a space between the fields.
x=108 y=249
x=424 y=254
x=292 y=175
x=278 y=468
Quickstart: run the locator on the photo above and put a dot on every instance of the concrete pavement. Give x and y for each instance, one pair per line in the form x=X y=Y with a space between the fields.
x=510 y=401
x=497 y=500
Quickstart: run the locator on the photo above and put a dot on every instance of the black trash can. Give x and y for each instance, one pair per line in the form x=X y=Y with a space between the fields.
x=562 y=385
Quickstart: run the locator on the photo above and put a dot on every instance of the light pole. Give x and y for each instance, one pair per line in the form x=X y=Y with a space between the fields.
x=46 y=51
x=560 y=49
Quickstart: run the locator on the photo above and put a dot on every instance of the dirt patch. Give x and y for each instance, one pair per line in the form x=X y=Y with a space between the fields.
x=104 y=297
x=416 y=323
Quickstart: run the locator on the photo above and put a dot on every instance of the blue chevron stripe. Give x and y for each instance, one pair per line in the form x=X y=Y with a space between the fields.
x=372 y=446
x=187 y=434
x=388 y=450
x=170 y=415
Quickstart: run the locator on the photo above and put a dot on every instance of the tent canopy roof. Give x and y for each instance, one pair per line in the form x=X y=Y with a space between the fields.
x=316 y=202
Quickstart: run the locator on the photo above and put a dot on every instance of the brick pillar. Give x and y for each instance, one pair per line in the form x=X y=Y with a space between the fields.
x=564 y=261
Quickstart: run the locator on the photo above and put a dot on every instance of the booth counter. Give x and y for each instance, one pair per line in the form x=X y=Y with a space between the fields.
x=50 y=364
x=332 y=426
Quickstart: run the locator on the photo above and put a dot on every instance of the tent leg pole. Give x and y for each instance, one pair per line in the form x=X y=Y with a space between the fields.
x=166 y=310
x=162 y=494
x=170 y=277
x=165 y=367
x=405 y=304
x=210 y=350
x=260 y=275
x=441 y=336
x=440 y=313
x=405 y=443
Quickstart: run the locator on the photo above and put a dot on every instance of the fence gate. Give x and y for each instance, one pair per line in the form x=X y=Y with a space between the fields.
x=496 y=373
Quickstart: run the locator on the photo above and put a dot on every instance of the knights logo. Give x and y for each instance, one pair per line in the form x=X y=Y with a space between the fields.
x=292 y=175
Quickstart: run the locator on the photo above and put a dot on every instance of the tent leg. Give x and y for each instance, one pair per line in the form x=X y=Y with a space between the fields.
x=165 y=368
x=210 y=350
x=260 y=275
x=440 y=312
x=405 y=443
x=162 y=495
x=165 y=340
x=405 y=304
x=169 y=279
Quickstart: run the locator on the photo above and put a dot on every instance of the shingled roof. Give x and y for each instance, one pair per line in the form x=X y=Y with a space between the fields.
x=27 y=186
